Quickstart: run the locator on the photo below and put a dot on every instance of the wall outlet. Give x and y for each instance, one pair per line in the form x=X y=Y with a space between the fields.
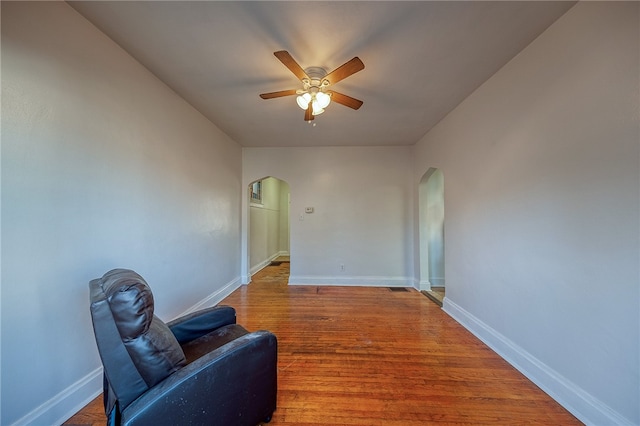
x=342 y=267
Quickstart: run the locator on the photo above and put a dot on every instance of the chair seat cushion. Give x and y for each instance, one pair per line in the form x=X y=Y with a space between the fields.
x=211 y=341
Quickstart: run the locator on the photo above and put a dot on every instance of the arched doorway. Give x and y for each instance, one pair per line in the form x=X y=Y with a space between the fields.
x=431 y=229
x=269 y=223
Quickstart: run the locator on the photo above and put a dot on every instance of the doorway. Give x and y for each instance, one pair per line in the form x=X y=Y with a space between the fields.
x=269 y=226
x=431 y=229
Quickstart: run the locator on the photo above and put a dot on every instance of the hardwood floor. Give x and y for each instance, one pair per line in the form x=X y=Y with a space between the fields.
x=370 y=356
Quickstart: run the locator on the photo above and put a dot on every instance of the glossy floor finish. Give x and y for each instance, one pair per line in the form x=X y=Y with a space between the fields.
x=371 y=356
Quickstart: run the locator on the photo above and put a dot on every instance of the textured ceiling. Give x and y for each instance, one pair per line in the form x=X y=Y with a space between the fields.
x=421 y=59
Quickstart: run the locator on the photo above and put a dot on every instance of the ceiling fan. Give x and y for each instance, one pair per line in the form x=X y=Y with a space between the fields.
x=315 y=94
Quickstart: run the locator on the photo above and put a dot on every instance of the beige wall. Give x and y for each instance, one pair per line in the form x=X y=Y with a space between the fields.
x=103 y=166
x=541 y=168
x=362 y=216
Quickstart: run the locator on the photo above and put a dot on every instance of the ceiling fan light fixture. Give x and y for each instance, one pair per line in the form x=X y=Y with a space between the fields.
x=313 y=97
x=303 y=100
x=316 y=109
x=323 y=100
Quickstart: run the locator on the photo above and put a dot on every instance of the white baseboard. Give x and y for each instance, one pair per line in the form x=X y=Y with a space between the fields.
x=425 y=285
x=68 y=402
x=356 y=281
x=214 y=298
x=260 y=266
x=584 y=406
x=580 y=403
x=71 y=400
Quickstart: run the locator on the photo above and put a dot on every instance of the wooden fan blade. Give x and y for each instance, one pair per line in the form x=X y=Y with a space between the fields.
x=290 y=63
x=345 y=70
x=308 y=114
x=279 y=94
x=345 y=100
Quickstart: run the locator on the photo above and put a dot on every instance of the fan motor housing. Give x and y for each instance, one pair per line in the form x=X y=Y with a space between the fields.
x=316 y=76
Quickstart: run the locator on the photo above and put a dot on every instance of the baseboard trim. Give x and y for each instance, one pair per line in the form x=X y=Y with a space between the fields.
x=75 y=397
x=355 y=281
x=584 y=406
x=260 y=266
x=577 y=401
x=215 y=297
x=425 y=285
x=67 y=403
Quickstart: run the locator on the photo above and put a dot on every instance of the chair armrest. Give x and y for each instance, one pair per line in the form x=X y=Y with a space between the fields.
x=197 y=324
x=235 y=384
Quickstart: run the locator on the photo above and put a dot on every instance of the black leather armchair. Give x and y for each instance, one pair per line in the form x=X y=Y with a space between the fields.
x=201 y=369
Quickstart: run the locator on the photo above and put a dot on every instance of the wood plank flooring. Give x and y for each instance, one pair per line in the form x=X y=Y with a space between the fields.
x=370 y=356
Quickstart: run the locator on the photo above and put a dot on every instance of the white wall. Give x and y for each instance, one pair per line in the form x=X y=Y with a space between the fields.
x=269 y=224
x=542 y=209
x=362 y=211
x=103 y=166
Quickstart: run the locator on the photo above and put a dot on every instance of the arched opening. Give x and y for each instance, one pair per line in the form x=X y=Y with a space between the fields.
x=431 y=229
x=269 y=223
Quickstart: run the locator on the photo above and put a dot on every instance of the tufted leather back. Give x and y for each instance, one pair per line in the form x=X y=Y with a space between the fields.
x=137 y=349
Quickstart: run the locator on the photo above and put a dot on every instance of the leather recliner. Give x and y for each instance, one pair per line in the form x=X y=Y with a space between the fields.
x=201 y=369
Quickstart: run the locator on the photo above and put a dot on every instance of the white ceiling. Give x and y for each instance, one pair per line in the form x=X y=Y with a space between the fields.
x=421 y=59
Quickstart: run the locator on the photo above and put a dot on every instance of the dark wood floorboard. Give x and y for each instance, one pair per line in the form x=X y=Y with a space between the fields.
x=370 y=356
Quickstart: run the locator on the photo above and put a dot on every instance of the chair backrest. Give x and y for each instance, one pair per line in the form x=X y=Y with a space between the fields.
x=137 y=349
